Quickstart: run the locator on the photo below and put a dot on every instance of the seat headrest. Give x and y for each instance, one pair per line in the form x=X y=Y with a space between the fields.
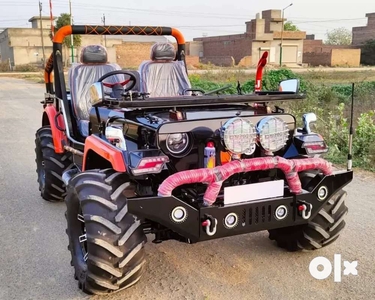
x=163 y=51
x=94 y=54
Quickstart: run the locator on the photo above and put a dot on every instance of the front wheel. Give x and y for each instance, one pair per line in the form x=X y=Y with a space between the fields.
x=50 y=166
x=319 y=232
x=105 y=241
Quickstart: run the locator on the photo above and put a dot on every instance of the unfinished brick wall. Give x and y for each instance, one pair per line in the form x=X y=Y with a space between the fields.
x=364 y=33
x=317 y=59
x=221 y=61
x=236 y=46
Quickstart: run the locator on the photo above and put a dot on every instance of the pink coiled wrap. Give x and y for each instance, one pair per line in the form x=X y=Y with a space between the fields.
x=216 y=176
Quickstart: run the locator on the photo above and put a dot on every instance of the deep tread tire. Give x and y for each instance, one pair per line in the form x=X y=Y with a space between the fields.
x=115 y=238
x=321 y=231
x=50 y=166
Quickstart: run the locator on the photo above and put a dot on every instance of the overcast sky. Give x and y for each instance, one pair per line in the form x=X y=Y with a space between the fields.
x=192 y=17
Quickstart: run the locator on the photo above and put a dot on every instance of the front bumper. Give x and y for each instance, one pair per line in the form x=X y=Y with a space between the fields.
x=252 y=216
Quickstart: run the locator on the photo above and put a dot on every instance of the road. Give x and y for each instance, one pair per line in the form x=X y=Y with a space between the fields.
x=34 y=260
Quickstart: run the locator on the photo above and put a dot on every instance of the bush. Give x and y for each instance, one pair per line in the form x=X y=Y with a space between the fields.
x=331 y=104
x=27 y=68
x=4 y=66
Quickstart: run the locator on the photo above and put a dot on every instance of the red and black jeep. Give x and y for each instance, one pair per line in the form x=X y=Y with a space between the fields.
x=136 y=153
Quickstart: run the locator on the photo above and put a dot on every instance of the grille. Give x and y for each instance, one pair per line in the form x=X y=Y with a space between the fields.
x=260 y=214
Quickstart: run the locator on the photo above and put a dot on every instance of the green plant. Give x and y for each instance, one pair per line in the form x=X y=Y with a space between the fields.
x=331 y=104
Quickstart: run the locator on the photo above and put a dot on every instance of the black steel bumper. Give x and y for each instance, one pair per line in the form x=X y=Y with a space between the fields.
x=252 y=216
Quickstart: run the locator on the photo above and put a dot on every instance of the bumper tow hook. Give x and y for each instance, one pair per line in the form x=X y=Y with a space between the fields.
x=210 y=225
x=305 y=210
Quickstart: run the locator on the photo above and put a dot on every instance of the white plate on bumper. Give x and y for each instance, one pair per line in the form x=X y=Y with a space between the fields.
x=253 y=191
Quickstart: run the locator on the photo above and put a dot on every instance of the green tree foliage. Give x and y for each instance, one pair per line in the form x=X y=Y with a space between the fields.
x=289 y=26
x=368 y=53
x=63 y=20
x=339 y=36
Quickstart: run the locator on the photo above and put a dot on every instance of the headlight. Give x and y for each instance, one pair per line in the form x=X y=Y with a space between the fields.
x=239 y=136
x=177 y=143
x=273 y=133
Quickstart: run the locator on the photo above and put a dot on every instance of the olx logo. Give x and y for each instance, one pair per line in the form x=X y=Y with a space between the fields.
x=326 y=270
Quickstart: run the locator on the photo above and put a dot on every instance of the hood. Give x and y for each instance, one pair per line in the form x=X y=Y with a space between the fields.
x=157 y=118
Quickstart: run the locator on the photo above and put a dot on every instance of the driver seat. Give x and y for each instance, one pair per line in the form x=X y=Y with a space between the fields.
x=162 y=76
x=93 y=65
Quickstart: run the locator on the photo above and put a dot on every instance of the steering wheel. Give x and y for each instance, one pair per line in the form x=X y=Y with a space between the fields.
x=132 y=78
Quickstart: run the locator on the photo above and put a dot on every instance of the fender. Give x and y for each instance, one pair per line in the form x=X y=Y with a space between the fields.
x=104 y=150
x=259 y=75
x=49 y=117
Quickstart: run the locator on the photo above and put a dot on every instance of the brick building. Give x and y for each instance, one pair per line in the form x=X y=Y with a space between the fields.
x=262 y=34
x=315 y=53
x=364 y=33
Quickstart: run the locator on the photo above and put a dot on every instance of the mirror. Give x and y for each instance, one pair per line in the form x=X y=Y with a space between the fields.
x=307 y=120
x=96 y=93
x=289 y=85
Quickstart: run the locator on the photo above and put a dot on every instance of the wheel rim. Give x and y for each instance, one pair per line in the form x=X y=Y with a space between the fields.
x=41 y=171
x=82 y=237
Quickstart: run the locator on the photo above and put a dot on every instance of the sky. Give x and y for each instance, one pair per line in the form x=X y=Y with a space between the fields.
x=194 y=18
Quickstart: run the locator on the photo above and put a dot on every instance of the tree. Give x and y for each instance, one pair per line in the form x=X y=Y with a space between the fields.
x=339 y=36
x=289 y=26
x=63 y=20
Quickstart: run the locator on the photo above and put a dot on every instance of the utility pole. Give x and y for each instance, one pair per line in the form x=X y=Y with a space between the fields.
x=282 y=32
x=105 y=36
x=71 y=36
x=41 y=33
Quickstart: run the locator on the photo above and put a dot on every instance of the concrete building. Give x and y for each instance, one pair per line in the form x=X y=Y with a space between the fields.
x=362 y=34
x=24 y=45
x=262 y=34
x=21 y=46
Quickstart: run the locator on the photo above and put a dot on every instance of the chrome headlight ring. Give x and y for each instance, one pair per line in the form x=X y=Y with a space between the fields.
x=273 y=133
x=239 y=136
x=177 y=143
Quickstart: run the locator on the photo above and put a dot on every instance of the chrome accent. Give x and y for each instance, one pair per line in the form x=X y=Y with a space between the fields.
x=234 y=224
x=307 y=119
x=179 y=219
x=96 y=93
x=277 y=209
x=67 y=132
x=325 y=189
x=115 y=135
x=281 y=136
x=184 y=139
x=245 y=133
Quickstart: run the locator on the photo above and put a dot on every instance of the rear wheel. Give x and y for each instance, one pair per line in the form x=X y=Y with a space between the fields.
x=105 y=241
x=321 y=231
x=50 y=166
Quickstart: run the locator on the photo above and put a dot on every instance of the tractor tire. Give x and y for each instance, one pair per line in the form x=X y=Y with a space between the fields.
x=105 y=241
x=50 y=166
x=319 y=232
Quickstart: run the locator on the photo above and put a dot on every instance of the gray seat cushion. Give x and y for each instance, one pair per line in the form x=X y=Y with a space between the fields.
x=162 y=76
x=81 y=77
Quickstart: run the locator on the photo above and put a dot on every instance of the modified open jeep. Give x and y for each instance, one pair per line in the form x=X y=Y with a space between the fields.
x=136 y=153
